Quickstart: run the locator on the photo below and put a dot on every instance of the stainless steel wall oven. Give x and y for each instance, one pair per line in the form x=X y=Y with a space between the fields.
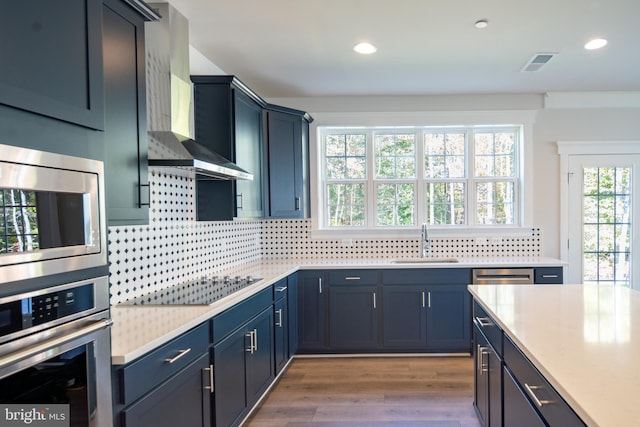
x=55 y=345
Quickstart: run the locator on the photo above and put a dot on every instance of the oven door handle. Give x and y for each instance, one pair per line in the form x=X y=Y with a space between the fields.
x=53 y=343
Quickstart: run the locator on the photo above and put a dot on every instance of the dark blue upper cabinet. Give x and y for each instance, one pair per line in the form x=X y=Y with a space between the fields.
x=52 y=59
x=287 y=158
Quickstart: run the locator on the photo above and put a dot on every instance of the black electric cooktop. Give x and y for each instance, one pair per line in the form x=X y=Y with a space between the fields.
x=203 y=291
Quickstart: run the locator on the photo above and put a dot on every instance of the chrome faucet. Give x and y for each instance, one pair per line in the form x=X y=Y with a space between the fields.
x=425 y=243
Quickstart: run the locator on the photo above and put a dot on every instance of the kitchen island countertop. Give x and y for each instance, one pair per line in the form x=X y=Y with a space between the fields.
x=584 y=339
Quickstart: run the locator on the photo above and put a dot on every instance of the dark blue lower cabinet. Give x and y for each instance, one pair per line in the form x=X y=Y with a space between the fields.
x=312 y=311
x=518 y=411
x=404 y=317
x=243 y=368
x=448 y=318
x=281 y=334
x=353 y=317
x=183 y=400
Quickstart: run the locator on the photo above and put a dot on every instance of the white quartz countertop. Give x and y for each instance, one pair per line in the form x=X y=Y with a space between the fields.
x=585 y=340
x=139 y=329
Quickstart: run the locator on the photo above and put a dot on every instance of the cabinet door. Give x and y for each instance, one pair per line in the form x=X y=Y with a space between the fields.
x=312 y=311
x=229 y=379
x=481 y=377
x=404 y=317
x=259 y=362
x=285 y=165
x=292 y=302
x=448 y=318
x=353 y=317
x=126 y=172
x=181 y=401
x=518 y=411
x=51 y=63
x=248 y=151
x=281 y=333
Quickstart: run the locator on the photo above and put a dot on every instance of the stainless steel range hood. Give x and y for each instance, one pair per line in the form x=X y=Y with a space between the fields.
x=167 y=45
x=198 y=158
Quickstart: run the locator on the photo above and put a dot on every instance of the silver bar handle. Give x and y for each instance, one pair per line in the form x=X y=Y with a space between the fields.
x=55 y=342
x=279 y=322
x=251 y=348
x=483 y=321
x=352 y=278
x=532 y=395
x=210 y=387
x=181 y=353
x=255 y=340
x=320 y=285
x=480 y=356
x=550 y=276
x=423 y=304
x=239 y=201
x=297 y=203
x=281 y=288
x=374 y=300
x=429 y=299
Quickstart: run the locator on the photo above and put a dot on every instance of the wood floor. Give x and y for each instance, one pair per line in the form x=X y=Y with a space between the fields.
x=359 y=392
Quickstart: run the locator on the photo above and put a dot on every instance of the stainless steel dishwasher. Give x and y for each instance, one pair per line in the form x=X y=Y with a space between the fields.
x=503 y=276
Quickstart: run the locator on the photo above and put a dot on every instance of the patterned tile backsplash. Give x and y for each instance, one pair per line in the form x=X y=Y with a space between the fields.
x=174 y=247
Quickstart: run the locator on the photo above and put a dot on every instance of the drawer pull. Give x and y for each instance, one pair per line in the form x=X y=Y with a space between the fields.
x=352 y=278
x=181 y=353
x=281 y=288
x=533 y=396
x=550 y=276
x=483 y=321
x=210 y=386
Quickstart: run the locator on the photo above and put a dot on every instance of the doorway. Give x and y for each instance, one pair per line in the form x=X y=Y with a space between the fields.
x=602 y=217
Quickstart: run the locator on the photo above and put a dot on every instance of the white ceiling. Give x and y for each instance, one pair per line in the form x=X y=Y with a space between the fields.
x=283 y=48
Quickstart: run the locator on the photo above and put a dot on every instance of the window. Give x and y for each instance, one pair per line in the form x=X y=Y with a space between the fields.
x=400 y=177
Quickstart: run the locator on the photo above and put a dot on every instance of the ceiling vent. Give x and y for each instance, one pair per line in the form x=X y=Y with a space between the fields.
x=538 y=60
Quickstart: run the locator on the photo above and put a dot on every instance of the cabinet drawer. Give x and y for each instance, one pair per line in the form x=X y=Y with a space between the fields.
x=548 y=275
x=280 y=289
x=488 y=327
x=353 y=277
x=553 y=408
x=426 y=276
x=147 y=372
x=230 y=319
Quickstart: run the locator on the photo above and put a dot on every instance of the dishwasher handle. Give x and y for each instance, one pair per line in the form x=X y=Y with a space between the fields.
x=498 y=276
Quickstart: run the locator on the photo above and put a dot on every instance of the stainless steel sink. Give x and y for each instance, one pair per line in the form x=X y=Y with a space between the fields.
x=425 y=260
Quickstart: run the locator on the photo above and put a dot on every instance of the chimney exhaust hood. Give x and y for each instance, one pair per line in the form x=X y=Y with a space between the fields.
x=167 y=43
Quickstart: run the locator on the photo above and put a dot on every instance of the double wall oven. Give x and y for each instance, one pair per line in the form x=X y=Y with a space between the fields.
x=54 y=291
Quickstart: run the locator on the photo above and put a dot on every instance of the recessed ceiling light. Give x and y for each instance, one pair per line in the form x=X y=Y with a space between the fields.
x=365 y=48
x=483 y=23
x=595 y=44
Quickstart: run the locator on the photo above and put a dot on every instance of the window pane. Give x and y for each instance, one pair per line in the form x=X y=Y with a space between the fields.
x=445 y=203
x=444 y=155
x=346 y=204
x=395 y=156
x=395 y=204
x=494 y=154
x=495 y=203
x=345 y=156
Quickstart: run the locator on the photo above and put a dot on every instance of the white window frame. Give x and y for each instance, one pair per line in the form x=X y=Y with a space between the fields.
x=479 y=119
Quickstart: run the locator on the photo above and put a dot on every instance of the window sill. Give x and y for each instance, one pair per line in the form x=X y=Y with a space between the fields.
x=414 y=232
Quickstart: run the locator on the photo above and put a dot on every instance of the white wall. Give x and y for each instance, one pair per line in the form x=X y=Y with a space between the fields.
x=566 y=117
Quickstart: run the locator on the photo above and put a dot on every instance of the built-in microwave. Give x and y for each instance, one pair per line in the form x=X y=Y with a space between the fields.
x=51 y=214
